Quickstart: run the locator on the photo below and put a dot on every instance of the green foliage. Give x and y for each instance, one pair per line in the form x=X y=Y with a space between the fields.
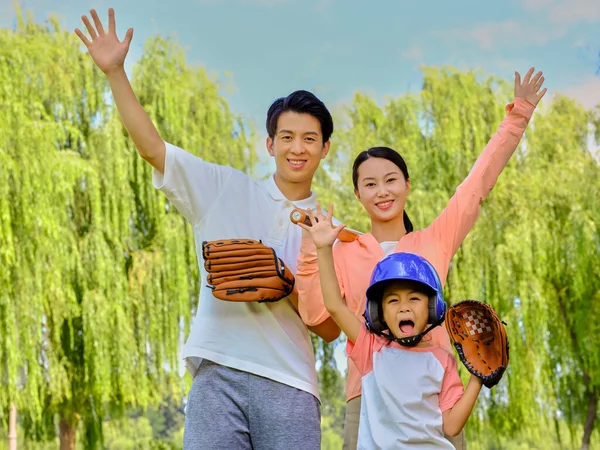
x=157 y=429
x=332 y=388
x=99 y=277
x=98 y=274
x=534 y=252
x=331 y=439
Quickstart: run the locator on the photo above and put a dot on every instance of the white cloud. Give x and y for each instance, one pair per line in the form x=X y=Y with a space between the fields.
x=587 y=92
x=535 y=5
x=490 y=35
x=565 y=11
x=573 y=11
x=415 y=53
x=507 y=66
x=556 y=17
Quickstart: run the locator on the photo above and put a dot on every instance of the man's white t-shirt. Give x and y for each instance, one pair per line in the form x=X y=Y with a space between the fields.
x=266 y=339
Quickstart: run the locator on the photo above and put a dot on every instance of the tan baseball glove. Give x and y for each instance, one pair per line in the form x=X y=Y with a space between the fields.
x=480 y=339
x=245 y=270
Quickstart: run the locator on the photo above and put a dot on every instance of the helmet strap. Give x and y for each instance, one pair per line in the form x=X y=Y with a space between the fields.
x=407 y=341
x=413 y=340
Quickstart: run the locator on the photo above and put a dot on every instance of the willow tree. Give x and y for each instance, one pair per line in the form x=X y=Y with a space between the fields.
x=440 y=131
x=557 y=264
x=533 y=254
x=461 y=115
x=98 y=274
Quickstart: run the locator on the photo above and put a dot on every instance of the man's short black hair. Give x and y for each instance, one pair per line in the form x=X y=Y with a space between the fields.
x=301 y=102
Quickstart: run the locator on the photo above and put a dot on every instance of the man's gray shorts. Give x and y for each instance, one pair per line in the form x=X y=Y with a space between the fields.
x=229 y=409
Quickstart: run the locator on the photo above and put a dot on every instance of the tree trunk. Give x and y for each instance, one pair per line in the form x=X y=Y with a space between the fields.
x=593 y=391
x=68 y=431
x=12 y=428
x=589 y=421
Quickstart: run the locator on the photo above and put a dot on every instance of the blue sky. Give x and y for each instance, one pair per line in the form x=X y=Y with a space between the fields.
x=263 y=49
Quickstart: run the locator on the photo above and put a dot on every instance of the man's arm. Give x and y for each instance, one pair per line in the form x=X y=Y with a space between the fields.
x=109 y=55
x=142 y=131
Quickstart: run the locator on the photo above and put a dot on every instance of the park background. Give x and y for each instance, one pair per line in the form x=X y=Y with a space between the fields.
x=98 y=276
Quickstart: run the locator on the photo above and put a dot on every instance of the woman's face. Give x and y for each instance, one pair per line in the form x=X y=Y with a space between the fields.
x=382 y=189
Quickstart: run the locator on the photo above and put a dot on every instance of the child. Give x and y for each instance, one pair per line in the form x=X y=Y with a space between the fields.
x=412 y=394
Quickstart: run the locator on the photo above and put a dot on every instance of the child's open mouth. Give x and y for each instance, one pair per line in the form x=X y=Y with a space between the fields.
x=407 y=327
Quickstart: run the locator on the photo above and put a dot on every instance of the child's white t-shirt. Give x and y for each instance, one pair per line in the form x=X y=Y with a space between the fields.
x=404 y=392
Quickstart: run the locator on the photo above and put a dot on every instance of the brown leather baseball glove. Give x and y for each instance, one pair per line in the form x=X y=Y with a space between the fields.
x=480 y=339
x=245 y=270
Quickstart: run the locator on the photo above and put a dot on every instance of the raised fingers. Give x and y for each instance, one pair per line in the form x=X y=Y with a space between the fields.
x=112 y=28
x=536 y=78
x=97 y=22
x=542 y=93
x=330 y=212
x=311 y=216
x=89 y=27
x=517 y=80
x=539 y=84
x=82 y=36
x=303 y=226
x=527 y=78
x=319 y=212
x=340 y=227
x=128 y=36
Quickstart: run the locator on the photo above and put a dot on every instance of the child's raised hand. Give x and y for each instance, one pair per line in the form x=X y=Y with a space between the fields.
x=105 y=48
x=529 y=88
x=321 y=230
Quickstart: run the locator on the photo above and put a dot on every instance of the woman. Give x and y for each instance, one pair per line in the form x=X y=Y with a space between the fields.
x=381 y=184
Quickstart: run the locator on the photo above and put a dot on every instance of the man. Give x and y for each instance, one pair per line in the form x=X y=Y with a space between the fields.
x=255 y=384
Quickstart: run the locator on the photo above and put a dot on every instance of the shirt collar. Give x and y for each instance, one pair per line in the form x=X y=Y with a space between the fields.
x=276 y=194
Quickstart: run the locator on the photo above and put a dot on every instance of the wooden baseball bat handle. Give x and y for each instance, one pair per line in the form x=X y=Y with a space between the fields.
x=300 y=216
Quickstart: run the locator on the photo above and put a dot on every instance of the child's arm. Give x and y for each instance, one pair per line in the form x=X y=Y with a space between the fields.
x=346 y=320
x=324 y=234
x=455 y=418
x=109 y=55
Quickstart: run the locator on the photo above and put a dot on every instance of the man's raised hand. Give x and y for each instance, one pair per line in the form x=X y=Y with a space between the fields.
x=105 y=48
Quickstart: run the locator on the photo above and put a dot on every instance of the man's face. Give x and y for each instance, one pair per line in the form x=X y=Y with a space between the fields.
x=297 y=147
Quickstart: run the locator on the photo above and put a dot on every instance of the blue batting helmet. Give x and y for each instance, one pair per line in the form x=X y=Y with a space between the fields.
x=409 y=267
